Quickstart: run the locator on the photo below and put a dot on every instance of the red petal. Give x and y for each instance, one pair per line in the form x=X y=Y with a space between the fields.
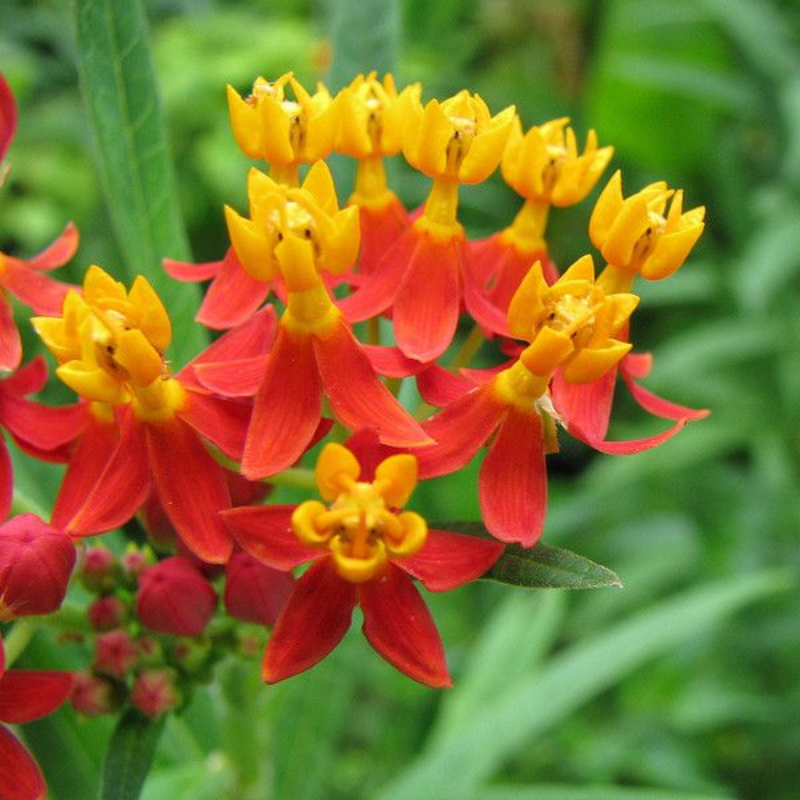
x=390 y=362
x=34 y=289
x=189 y=272
x=265 y=532
x=380 y=290
x=192 y=488
x=429 y=298
x=449 y=560
x=223 y=422
x=313 y=622
x=92 y=455
x=8 y=117
x=28 y=379
x=637 y=365
x=460 y=431
x=42 y=430
x=512 y=484
x=626 y=448
x=121 y=488
x=660 y=407
x=240 y=378
x=22 y=778
x=587 y=405
x=483 y=310
x=355 y=393
x=440 y=387
x=59 y=252
x=380 y=228
x=254 y=338
x=233 y=296
x=26 y=695
x=255 y=592
x=287 y=409
x=10 y=344
x=368 y=450
x=399 y=626
x=6 y=481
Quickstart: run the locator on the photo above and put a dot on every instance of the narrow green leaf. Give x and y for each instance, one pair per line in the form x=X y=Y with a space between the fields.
x=545 y=567
x=129 y=756
x=553 y=792
x=537 y=702
x=124 y=109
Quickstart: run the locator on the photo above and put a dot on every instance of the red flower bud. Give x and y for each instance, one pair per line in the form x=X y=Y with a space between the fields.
x=116 y=654
x=35 y=564
x=98 y=569
x=154 y=692
x=133 y=564
x=253 y=591
x=107 y=613
x=93 y=695
x=175 y=598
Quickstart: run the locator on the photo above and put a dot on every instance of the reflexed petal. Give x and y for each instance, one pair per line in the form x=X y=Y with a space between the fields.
x=658 y=406
x=428 y=300
x=22 y=778
x=512 y=484
x=189 y=272
x=222 y=422
x=636 y=365
x=10 y=344
x=8 y=117
x=240 y=378
x=625 y=448
x=92 y=454
x=43 y=430
x=120 y=489
x=356 y=394
x=255 y=592
x=265 y=532
x=6 y=480
x=287 y=409
x=59 y=252
x=460 y=431
x=380 y=229
x=29 y=378
x=26 y=695
x=390 y=362
x=192 y=488
x=233 y=296
x=313 y=622
x=36 y=290
x=587 y=405
x=448 y=560
x=399 y=626
x=440 y=387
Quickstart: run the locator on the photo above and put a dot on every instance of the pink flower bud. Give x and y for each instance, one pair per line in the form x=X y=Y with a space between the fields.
x=107 y=613
x=116 y=654
x=175 y=598
x=154 y=692
x=134 y=563
x=35 y=564
x=93 y=695
x=253 y=591
x=98 y=569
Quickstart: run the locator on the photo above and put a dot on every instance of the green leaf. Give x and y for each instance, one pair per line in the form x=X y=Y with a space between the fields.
x=536 y=702
x=124 y=109
x=130 y=755
x=545 y=567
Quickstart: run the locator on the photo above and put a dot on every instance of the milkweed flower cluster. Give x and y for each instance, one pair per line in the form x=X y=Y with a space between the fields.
x=188 y=453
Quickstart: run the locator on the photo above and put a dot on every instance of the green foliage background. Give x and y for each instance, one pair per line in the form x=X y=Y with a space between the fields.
x=582 y=696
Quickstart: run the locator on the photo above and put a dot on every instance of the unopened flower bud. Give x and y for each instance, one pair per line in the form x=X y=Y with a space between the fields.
x=133 y=564
x=253 y=591
x=191 y=654
x=93 y=695
x=155 y=692
x=151 y=652
x=174 y=597
x=35 y=565
x=107 y=613
x=98 y=570
x=116 y=654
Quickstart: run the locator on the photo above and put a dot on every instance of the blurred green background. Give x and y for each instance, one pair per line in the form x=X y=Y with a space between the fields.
x=596 y=693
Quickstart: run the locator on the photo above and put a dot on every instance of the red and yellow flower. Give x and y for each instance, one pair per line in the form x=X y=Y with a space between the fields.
x=363 y=551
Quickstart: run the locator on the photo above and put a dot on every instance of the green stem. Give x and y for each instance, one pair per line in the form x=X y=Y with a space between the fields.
x=468 y=349
x=295 y=478
x=24 y=504
x=15 y=643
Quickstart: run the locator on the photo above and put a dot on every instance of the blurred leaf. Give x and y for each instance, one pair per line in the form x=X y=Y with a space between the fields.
x=130 y=755
x=124 y=109
x=513 y=641
x=532 y=705
x=551 y=792
x=187 y=782
x=545 y=567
